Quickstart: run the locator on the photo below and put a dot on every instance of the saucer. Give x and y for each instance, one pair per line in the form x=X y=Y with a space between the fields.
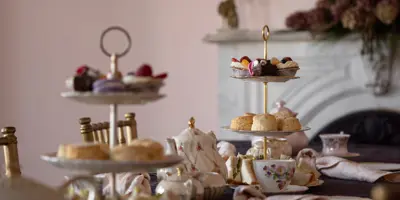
x=342 y=155
x=320 y=182
x=291 y=189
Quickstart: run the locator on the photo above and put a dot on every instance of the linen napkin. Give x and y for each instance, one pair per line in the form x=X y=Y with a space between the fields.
x=249 y=193
x=339 y=167
x=226 y=149
x=306 y=172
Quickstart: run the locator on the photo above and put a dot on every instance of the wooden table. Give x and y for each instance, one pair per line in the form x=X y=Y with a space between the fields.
x=331 y=186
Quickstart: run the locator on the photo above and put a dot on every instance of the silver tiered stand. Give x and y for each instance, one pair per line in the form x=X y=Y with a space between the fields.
x=266 y=80
x=113 y=100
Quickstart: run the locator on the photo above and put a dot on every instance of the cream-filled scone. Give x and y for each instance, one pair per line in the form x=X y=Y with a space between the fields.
x=242 y=123
x=264 y=122
x=139 y=150
x=290 y=124
x=86 y=151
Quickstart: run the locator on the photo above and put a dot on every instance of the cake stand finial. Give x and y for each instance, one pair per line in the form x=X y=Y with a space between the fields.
x=265 y=36
x=191 y=122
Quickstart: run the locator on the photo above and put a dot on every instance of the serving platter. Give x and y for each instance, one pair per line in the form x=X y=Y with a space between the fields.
x=263 y=79
x=265 y=133
x=113 y=98
x=109 y=166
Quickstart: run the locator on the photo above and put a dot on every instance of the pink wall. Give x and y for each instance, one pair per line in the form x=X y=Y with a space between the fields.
x=43 y=41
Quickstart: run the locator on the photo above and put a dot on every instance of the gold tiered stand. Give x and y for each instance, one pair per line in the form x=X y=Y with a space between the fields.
x=265 y=80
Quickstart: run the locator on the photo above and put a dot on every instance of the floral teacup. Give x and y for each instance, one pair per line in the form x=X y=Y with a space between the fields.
x=274 y=175
x=334 y=144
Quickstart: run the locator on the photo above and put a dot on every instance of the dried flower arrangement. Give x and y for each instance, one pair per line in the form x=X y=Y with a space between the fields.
x=374 y=20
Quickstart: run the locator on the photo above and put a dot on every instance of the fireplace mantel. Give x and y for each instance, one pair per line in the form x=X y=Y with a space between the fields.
x=332 y=84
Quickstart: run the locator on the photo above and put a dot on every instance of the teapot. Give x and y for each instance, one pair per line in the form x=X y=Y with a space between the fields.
x=198 y=149
x=16 y=187
x=276 y=147
x=280 y=107
x=181 y=185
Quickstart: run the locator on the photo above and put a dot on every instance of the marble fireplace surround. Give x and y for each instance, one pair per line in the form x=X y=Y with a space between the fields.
x=332 y=84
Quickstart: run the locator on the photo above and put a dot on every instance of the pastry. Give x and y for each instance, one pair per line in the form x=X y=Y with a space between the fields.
x=142 y=80
x=287 y=67
x=83 y=79
x=106 y=85
x=87 y=151
x=264 y=122
x=242 y=123
x=280 y=111
x=240 y=68
x=262 y=67
x=290 y=124
x=139 y=150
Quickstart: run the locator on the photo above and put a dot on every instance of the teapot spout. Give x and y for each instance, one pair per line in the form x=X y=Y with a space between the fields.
x=171 y=147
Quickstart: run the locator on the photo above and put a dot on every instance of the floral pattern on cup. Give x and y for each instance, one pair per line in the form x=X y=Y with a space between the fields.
x=280 y=174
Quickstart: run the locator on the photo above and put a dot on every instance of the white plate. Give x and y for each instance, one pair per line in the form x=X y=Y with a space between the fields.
x=257 y=187
x=381 y=166
x=291 y=189
x=113 y=98
x=320 y=182
x=347 y=155
x=267 y=78
x=107 y=166
x=265 y=133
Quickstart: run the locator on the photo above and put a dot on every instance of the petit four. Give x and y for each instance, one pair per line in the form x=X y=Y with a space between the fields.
x=108 y=85
x=241 y=67
x=262 y=67
x=138 y=150
x=242 y=123
x=264 y=122
x=87 y=151
x=287 y=67
x=84 y=78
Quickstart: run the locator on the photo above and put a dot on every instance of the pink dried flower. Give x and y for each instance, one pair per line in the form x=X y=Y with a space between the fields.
x=324 y=3
x=357 y=18
x=367 y=5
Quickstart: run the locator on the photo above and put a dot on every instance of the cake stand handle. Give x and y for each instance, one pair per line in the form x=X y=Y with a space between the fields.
x=113 y=141
x=115 y=28
x=265 y=36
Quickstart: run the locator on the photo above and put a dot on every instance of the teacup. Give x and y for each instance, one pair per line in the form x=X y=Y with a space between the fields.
x=334 y=144
x=274 y=175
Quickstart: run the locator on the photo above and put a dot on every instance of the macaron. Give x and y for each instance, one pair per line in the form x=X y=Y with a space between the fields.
x=108 y=85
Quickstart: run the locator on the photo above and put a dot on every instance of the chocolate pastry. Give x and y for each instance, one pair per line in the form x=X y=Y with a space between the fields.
x=83 y=83
x=262 y=67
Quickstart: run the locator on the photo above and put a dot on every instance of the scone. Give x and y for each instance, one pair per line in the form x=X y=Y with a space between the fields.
x=138 y=150
x=86 y=151
x=264 y=122
x=290 y=124
x=242 y=123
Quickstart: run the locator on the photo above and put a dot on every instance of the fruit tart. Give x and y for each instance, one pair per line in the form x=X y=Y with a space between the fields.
x=287 y=67
x=143 y=80
x=240 y=68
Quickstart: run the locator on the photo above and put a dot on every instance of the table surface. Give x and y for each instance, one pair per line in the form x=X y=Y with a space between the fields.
x=332 y=186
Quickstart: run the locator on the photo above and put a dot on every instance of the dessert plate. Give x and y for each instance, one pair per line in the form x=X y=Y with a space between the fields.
x=108 y=166
x=347 y=155
x=381 y=166
x=291 y=189
x=113 y=98
x=265 y=133
x=320 y=182
x=280 y=79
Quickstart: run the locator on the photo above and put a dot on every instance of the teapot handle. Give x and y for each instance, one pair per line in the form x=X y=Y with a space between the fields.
x=93 y=190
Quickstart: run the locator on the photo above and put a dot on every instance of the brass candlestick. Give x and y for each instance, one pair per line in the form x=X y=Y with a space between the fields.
x=9 y=142
x=265 y=36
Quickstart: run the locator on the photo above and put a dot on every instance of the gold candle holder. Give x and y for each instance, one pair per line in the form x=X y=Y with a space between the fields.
x=9 y=143
x=106 y=128
x=86 y=129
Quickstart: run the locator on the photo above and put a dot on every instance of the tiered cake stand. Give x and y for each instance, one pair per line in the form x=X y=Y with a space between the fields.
x=266 y=80
x=113 y=100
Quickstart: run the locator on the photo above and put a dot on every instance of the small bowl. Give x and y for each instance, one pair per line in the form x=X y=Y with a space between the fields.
x=288 y=71
x=333 y=144
x=239 y=72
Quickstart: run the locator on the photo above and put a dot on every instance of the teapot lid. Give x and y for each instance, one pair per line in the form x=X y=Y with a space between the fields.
x=17 y=188
x=280 y=107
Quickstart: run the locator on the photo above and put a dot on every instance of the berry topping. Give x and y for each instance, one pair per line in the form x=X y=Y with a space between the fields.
x=82 y=70
x=144 y=70
x=245 y=58
x=234 y=60
x=162 y=76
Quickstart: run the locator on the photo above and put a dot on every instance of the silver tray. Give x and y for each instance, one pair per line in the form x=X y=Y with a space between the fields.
x=108 y=166
x=263 y=79
x=113 y=98
x=265 y=133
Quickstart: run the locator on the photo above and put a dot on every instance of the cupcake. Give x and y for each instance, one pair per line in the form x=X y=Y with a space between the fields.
x=262 y=67
x=287 y=67
x=240 y=68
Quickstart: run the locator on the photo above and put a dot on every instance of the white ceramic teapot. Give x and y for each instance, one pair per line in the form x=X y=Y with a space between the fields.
x=198 y=149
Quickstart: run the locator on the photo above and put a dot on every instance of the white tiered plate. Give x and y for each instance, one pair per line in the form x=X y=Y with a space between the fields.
x=112 y=98
x=108 y=166
x=267 y=78
x=265 y=133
